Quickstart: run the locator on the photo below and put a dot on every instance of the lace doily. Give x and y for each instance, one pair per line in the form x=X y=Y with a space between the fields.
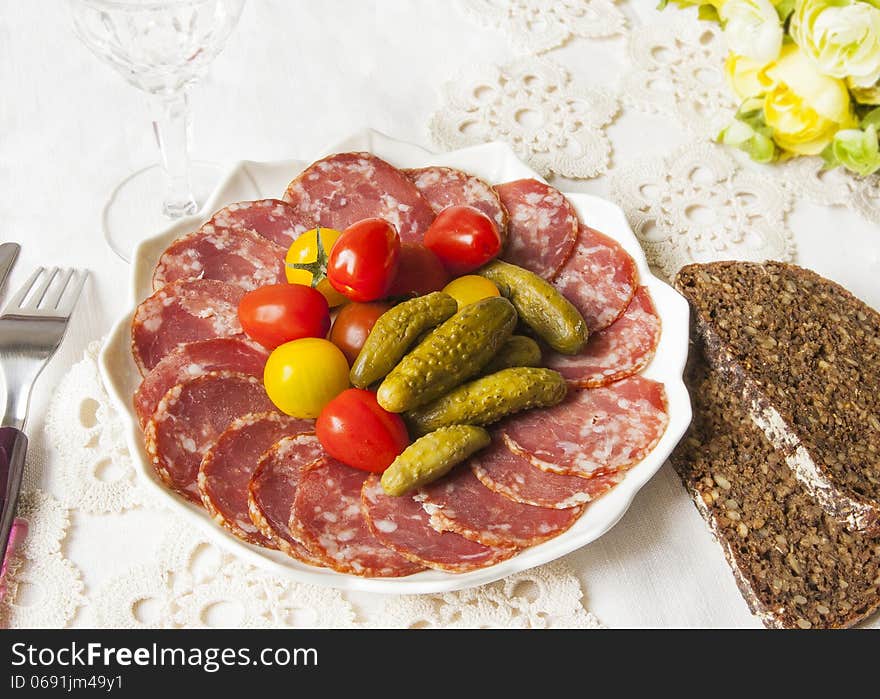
x=551 y=122
x=536 y=26
x=677 y=71
x=180 y=579
x=698 y=205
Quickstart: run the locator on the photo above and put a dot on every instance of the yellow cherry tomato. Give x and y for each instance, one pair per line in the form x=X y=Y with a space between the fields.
x=470 y=289
x=304 y=250
x=302 y=376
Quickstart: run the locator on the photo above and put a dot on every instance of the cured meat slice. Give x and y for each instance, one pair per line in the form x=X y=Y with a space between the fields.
x=600 y=279
x=460 y=503
x=327 y=517
x=514 y=477
x=542 y=226
x=273 y=487
x=227 y=468
x=271 y=218
x=196 y=359
x=622 y=349
x=237 y=257
x=348 y=187
x=446 y=186
x=183 y=311
x=402 y=524
x=594 y=431
x=190 y=418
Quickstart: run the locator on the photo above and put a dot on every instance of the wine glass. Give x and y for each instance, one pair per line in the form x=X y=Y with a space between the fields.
x=161 y=47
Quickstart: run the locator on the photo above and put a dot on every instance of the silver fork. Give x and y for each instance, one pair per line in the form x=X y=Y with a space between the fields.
x=31 y=329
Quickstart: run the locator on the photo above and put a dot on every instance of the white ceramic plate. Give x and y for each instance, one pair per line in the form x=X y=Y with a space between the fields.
x=495 y=163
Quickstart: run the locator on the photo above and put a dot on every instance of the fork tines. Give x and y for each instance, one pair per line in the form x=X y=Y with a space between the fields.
x=52 y=291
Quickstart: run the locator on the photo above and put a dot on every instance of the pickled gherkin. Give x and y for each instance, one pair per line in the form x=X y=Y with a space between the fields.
x=519 y=350
x=432 y=457
x=396 y=331
x=540 y=306
x=454 y=352
x=490 y=398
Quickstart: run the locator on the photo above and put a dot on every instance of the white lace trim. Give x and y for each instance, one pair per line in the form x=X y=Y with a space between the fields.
x=532 y=104
x=698 y=205
x=536 y=26
x=183 y=580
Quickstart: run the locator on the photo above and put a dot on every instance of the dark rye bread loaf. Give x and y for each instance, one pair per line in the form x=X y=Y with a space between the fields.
x=796 y=566
x=804 y=354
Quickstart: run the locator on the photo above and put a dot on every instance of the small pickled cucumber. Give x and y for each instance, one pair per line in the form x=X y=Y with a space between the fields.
x=431 y=457
x=490 y=398
x=547 y=312
x=454 y=352
x=397 y=330
x=519 y=350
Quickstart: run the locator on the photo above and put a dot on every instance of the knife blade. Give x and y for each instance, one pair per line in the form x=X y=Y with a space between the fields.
x=8 y=255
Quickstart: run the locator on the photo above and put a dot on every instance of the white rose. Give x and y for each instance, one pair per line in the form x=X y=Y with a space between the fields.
x=842 y=38
x=752 y=29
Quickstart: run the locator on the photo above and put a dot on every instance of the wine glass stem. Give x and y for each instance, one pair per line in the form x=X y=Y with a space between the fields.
x=171 y=126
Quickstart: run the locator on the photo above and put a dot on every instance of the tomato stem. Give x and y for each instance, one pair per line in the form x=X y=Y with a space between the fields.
x=318 y=268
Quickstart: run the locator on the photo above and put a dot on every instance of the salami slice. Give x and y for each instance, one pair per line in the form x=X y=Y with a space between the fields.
x=196 y=359
x=402 y=524
x=622 y=349
x=241 y=257
x=227 y=468
x=183 y=311
x=190 y=418
x=460 y=503
x=514 y=477
x=348 y=187
x=271 y=218
x=542 y=226
x=594 y=431
x=273 y=487
x=327 y=517
x=600 y=279
x=446 y=186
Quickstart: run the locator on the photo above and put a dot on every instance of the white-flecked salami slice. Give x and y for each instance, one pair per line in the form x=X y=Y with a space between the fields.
x=542 y=226
x=273 y=487
x=594 y=431
x=514 y=477
x=180 y=312
x=226 y=470
x=460 y=503
x=445 y=186
x=190 y=418
x=622 y=349
x=327 y=516
x=271 y=218
x=349 y=187
x=240 y=257
x=402 y=524
x=600 y=279
x=192 y=360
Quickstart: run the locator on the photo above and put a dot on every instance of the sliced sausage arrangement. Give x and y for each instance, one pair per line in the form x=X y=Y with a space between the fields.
x=474 y=456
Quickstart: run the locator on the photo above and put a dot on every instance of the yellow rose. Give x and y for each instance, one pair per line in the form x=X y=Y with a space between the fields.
x=742 y=74
x=803 y=108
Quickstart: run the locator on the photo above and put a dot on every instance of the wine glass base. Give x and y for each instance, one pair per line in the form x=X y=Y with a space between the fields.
x=134 y=210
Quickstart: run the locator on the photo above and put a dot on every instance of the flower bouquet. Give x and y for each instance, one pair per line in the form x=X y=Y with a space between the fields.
x=806 y=73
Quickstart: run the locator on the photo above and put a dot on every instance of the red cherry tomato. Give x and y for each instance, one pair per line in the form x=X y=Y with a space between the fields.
x=279 y=313
x=359 y=432
x=420 y=272
x=464 y=238
x=364 y=260
x=352 y=325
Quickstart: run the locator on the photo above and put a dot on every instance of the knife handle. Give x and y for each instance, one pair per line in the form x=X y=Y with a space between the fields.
x=13 y=447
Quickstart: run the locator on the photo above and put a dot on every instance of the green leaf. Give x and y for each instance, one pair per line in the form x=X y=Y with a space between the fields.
x=709 y=13
x=757 y=143
x=784 y=8
x=872 y=118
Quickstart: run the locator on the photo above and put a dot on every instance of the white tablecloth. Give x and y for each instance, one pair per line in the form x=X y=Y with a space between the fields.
x=296 y=76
